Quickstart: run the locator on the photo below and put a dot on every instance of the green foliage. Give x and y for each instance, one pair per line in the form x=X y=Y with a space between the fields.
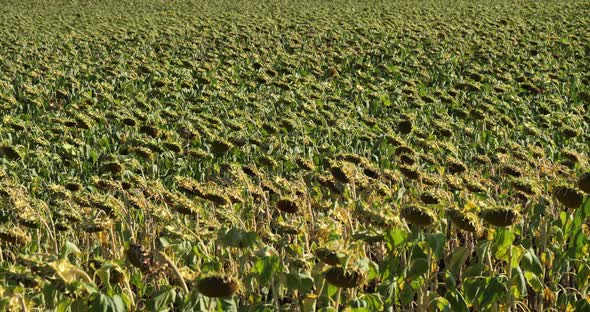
x=280 y=156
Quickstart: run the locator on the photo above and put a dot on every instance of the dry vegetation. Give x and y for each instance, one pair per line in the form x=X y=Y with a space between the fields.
x=294 y=155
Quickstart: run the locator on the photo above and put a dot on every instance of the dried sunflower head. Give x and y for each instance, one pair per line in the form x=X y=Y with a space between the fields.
x=418 y=215
x=568 y=196
x=129 y=121
x=455 y=166
x=409 y=172
x=152 y=131
x=511 y=170
x=96 y=226
x=173 y=147
x=252 y=171
x=288 y=205
x=342 y=172
x=404 y=126
x=304 y=163
x=217 y=286
x=430 y=198
x=404 y=150
x=584 y=182
x=327 y=256
x=73 y=186
x=283 y=228
x=10 y=152
x=112 y=167
x=463 y=220
x=13 y=235
x=500 y=216
x=215 y=197
x=407 y=160
x=342 y=278
x=220 y=146
x=139 y=257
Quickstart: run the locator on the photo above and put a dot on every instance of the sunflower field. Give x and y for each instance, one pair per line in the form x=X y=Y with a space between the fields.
x=312 y=155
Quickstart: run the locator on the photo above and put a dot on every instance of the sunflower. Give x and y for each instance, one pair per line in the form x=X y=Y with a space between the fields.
x=217 y=286
x=342 y=278
x=418 y=215
x=584 y=182
x=500 y=216
x=465 y=221
x=568 y=196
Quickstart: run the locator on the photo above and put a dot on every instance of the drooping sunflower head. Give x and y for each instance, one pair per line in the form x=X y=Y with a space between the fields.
x=217 y=286
x=288 y=205
x=500 y=216
x=584 y=182
x=568 y=196
x=465 y=221
x=417 y=215
x=344 y=278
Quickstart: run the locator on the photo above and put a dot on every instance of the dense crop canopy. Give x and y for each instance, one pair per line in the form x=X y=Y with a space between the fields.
x=306 y=155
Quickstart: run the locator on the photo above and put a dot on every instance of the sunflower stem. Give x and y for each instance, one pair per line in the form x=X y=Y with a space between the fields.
x=175 y=270
x=509 y=274
x=338 y=299
x=275 y=295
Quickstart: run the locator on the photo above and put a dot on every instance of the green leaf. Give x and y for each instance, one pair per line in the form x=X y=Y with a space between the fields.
x=582 y=305
x=458 y=257
x=417 y=251
x=585 y=209
x=118 y=303
x=163 y=299
x=63 y=306
x=235 y=237
x=69 y=248
x=473 y=289
x=406 y=295
x=442 y=304
x=530 y=263
x=358 y=304
x=495 y=290
x=265 y=268
x=80 y=305
x=100 y=302
x=582 y=276
x=501 y=244
x=227 y=305
x=373 y=271
x=457 y=301
x=418 y=267
x=126 y=300
x=395 y=238
x=518 y=282
x=474 y=270
x=193 y=302
x=578 y=245
x=299 y=281
x=534 y=281
x=374 y=302
x=105 y=276
x=385 y=100
x=437 y=244
x=482 y=249
x=450 y=281
x=358 y=309
x=331 y=290
x=517 y=252
x=164 y=241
